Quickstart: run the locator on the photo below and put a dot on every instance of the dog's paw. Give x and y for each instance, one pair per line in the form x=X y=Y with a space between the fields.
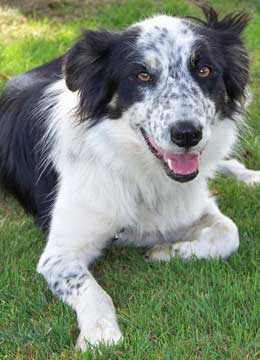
x=252 y=178
x=162 y=252
x=165 y=253
x=96 y=318
x=104 y=331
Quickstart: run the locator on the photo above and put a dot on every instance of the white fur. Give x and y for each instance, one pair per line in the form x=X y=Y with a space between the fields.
x=213 y=236
x=238 y=171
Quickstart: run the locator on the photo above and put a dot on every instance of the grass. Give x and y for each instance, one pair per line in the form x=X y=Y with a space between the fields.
x=181 y=310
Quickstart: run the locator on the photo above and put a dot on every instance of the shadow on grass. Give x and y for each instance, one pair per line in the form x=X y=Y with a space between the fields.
x=64 y=10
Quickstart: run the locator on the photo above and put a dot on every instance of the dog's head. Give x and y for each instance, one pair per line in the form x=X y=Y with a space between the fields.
x=179 y=85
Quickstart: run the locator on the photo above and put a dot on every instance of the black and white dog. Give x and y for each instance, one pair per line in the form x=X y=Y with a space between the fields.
x=123 y=132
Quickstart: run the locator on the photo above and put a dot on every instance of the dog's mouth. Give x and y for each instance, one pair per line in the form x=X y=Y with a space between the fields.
x=179 y=167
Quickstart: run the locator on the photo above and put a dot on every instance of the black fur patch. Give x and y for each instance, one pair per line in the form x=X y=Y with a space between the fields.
x=98 y=66
x=22 y=129
x=222 y=48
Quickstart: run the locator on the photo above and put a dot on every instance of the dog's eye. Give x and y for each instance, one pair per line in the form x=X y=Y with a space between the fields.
x=144 y=76
x=204 y=71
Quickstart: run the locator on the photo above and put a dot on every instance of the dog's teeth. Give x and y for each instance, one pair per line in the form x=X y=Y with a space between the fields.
x=169 y=164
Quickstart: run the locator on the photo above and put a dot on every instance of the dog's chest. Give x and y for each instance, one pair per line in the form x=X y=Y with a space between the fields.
x=165 y=208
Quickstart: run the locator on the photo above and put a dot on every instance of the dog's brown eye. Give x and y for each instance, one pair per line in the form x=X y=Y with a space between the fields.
x=204 y=71
x=144 y=76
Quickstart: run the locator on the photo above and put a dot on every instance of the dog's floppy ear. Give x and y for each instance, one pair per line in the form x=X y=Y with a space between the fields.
x=236 y=61
x=86 y=70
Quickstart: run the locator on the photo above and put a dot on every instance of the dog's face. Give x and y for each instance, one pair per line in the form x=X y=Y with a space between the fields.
x=179 y=85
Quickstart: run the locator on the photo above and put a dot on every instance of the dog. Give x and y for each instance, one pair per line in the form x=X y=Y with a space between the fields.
x=120 y=136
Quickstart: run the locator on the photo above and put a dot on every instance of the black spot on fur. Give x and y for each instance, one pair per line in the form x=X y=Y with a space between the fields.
x=83 y=276
x=59 y=292
x=46 y=261
x=56 y=284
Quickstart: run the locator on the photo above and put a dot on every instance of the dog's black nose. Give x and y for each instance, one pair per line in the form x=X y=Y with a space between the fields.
x=186 y=134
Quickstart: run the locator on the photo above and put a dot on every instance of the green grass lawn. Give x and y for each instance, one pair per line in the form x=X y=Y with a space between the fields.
x=181 y=310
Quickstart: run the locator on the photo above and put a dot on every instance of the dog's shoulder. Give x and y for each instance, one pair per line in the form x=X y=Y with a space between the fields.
x=40 y=75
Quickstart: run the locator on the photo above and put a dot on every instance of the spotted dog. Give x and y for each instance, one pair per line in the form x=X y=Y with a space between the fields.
x=123 y=132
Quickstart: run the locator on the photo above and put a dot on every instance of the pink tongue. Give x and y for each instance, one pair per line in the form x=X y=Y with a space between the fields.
x=182 y=164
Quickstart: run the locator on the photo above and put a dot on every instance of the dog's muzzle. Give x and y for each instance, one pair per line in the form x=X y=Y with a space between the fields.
x=181 y=167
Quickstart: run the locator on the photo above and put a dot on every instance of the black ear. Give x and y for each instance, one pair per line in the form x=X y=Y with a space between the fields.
x=86 y=69
x=227 y=33
x=235 y=22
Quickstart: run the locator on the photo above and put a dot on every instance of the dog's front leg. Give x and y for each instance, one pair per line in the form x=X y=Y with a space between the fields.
x=213 y=236
x=76 y=238
x=235 y=169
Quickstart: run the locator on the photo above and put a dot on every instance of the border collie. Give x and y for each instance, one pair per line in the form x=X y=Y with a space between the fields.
x=123 y=132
